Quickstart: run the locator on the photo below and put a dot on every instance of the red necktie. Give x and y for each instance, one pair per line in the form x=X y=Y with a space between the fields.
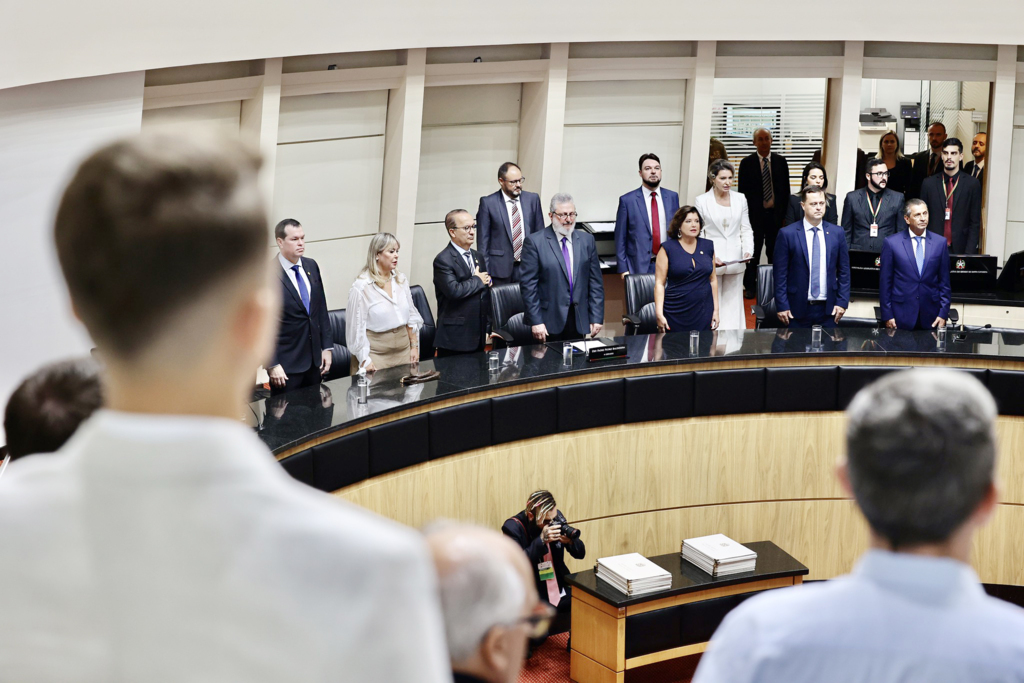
x=655 y=225
x=554 y=595
x=947 y=226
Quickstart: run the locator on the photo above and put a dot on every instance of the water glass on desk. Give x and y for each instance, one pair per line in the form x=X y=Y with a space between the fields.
x=816 y=338
x=940 y=337
x=694 y=343
x=493 y=361
x=566 y=353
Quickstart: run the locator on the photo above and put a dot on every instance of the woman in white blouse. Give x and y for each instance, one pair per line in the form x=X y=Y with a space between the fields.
x=727 y=224
x=382 y=323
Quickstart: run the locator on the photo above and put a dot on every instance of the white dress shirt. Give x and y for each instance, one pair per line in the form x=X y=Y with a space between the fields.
x=370 y=308
x=168 y=549
x=809 y=235
x=647 y=192
x=471 y=262
x=897 y=617
x=288 y=265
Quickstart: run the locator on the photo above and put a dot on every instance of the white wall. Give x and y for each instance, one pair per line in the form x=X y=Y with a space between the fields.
x=1015 y=209
x=45 y=130
x=217 y=118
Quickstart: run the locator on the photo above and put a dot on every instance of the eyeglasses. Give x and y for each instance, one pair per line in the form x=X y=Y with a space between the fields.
x=516 y=182
x=565 y=216
x=880 y=174
x=467 y=228
x=537 y=623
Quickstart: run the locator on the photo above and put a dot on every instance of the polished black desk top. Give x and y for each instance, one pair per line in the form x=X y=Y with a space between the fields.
x=290 y=419
x=772 y=563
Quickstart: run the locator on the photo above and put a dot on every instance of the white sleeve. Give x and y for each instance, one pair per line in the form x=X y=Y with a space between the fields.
x=415 y=319
x=746 y=233
x=355 y=325
x=730 y=655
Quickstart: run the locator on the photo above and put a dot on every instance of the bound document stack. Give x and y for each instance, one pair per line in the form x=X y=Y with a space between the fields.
x=719 y=555
x=633 y=574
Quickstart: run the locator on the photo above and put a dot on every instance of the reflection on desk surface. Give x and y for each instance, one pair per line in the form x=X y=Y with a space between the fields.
x=291 y=418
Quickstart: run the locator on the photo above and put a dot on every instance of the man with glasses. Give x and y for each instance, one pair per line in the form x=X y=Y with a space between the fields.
x=641 y=221
x=563 y=294
x=872 y=213
x=504 y=220
x=490 y=609
x=461 y=286
x=954 y=202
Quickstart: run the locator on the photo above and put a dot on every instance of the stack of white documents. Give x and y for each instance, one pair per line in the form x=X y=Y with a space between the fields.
x=719 y=555
x=633 y=574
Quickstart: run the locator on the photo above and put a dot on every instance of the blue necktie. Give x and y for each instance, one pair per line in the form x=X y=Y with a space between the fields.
x=815 y=265
x=303 y=292
x=919 y=254
x=568 y=263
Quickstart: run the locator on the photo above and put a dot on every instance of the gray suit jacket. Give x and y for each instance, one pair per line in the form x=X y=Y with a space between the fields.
x=857 y=219
x=544 y=282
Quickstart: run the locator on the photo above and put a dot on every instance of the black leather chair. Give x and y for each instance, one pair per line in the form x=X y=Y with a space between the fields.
x=507 y=311
x=766 y=313
x=639 y=296
x=429 y=328
x=341 y=358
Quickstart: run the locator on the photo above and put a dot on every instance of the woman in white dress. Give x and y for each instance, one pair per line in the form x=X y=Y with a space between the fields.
x=727 y=224
x=382 y=326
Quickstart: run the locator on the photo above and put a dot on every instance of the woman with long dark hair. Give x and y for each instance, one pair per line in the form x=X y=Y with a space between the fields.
x=814 y=174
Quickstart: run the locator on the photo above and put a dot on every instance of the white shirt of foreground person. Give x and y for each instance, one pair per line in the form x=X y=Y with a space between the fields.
x=370 y=308
x=171 y=549
x=897 y=617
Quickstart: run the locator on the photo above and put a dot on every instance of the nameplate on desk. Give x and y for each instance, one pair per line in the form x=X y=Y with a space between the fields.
x=600 y=348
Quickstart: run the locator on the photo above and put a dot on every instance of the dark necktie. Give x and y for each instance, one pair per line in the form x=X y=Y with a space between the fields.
x=655 y=225
x=469 y=261
x=303 y=292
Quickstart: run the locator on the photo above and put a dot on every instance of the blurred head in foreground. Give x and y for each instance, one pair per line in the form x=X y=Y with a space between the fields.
x=47 y=407
x=921 y=452
x=163 y=241
x=487 y=597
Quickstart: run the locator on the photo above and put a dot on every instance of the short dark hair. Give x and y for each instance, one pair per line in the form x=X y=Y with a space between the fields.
x=807 y=171
x=675 y=226
x=503 y=169
x=47 y=407
x=149 y=224
x=909 y=205
x=937 y=123
x=872 y=162
x=280 y=230
x=950 y=142
x=811 y=189
x=449 y=218
x=921 y=451
x=645 y=157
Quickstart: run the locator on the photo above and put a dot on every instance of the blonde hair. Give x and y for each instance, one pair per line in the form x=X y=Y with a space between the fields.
x=540 y=503
x=380 y=242
x=899 y=151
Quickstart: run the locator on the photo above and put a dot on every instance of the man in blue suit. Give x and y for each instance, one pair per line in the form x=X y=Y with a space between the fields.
x=641 y=221
x=913 y=284
x=503 y=221
x=561 y=285
x=811 y=267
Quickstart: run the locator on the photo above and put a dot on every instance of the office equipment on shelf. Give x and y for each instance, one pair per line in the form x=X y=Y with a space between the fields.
x=719 y=555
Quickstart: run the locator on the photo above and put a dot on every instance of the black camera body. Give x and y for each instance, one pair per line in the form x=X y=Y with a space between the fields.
x=570 y=532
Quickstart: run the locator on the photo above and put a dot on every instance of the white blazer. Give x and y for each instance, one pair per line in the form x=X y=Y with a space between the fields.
x=732 y=241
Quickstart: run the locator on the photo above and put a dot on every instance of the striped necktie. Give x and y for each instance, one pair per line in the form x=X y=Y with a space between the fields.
x=517 y=231
x=766 y=181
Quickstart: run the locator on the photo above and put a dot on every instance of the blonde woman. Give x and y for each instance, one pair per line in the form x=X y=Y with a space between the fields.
x=382 y=325
x=899 y=166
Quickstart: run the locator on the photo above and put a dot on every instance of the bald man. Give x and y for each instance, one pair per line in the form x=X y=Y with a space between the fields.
x=490 y=607
x=979 y=147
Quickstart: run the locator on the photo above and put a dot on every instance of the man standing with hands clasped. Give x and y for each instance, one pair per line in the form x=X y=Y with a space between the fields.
x=641 y=221
x=913 y=283
x=954 y=201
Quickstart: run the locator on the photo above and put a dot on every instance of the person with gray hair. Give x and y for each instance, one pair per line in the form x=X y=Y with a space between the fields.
x=561 y=284
x=764 y=181
x=490 y=608
x=920 y=463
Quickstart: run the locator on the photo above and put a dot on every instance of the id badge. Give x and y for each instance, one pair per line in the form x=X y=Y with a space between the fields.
x=948 y=214
x=874 y=229
x=546 y=571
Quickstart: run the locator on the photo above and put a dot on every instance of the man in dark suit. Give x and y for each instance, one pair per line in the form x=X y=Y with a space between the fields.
x=641 y=221
x=954 y=202
x=872 y=214
x=976 y=168
x=461 y=287
x=913 y=283
x=812 y=267
x=928 y=162
x=563 y=293
x=304 y=344
x=503 y=221
x=764 y=181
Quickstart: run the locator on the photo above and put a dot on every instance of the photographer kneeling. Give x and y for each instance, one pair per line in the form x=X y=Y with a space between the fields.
x=542 y=532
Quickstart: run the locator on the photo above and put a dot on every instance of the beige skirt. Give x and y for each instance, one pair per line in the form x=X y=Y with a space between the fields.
x=387 y=349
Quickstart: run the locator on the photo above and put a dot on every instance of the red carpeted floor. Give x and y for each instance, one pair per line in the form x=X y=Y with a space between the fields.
x=550 y=664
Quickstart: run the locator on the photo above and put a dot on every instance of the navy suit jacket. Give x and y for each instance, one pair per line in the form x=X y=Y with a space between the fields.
x=494 y=232
x=301 y=336
x=545 y=282
x=913 y=299
x=792 y=269
x=633 y=236
x=463 y=301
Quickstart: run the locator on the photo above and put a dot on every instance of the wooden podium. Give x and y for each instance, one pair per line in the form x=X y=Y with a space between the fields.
x=613 y=632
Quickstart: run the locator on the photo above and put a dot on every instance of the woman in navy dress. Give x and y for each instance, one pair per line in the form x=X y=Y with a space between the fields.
x=685 y=288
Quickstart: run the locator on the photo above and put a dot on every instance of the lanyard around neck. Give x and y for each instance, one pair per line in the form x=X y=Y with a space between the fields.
x=874 y=210
x=949 y=194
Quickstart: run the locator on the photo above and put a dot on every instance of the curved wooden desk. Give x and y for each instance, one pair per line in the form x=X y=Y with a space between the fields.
x=742 y=439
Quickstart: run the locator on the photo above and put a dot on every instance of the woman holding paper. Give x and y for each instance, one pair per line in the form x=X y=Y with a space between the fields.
x=685 y=286
x=727 y=224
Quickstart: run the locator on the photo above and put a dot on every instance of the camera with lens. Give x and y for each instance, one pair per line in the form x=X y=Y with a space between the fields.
x=572 y=533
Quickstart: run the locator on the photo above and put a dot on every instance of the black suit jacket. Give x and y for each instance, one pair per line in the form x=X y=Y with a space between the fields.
x=527 y=535
x=857 y=219
x=463 y=301
x=966 y=211
x=920 y=171
x=795 y=212
x=751 y=187
x=301 y=336
x=494 y=232
x=969 y=170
